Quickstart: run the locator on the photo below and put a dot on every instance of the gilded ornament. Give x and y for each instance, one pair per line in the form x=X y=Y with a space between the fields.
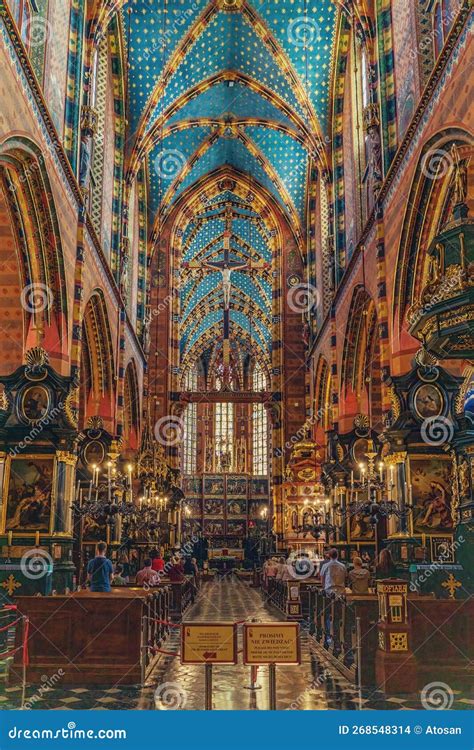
x=10 y=584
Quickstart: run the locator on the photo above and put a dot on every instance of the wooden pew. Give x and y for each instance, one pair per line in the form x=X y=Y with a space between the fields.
x=182 y=595
x=94 y=638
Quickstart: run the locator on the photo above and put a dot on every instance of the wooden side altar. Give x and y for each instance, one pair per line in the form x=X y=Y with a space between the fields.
x=94 y=638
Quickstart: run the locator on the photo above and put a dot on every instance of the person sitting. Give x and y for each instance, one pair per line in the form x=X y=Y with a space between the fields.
x=147 y=576
x=100 y=570
x=117 y=578
x=359 y=577
x=176 y=571
x=157 y=562
x=384 y=566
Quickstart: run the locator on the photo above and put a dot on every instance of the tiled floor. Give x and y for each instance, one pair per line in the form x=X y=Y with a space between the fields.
x=312 y=686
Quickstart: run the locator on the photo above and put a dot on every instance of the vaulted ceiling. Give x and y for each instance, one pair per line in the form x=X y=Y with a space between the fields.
x=236 y=83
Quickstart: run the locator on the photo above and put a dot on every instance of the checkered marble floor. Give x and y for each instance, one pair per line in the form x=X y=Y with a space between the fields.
x=314 y=685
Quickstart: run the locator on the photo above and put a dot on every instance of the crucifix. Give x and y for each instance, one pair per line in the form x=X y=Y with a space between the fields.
x=226 y=266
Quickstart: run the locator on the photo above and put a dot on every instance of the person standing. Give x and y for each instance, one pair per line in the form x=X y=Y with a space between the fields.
x=333 y=577
x=100 y=570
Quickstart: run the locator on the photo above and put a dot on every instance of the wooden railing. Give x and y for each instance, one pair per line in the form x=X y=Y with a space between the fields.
x=182 y=595
x=346 y=627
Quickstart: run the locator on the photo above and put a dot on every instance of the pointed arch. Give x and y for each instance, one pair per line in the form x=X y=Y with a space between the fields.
x=426 y=213
x=36 y=289
x=131 y=407
x=97 y=385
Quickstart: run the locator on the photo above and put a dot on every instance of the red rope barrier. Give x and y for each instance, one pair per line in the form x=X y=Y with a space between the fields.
x=26 y=658
x=162 y=651
x=10 y=625
x=180 y=624
x=10 y=653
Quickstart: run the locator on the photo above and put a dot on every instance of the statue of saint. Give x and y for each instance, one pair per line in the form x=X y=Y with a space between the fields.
x=459 y=176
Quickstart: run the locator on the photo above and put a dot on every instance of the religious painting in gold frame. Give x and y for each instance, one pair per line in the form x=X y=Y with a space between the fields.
x=28 y=498
x=430 y=481
x=359 y=450
x=428 y=401
x=35 y=403
x=359 y=528
x=94 y=453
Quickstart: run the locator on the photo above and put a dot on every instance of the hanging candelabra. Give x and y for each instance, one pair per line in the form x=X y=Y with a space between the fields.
x=378 y=489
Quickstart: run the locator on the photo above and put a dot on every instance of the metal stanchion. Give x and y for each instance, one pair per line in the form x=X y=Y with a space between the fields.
x=208 y=687
x=272 y=686
x=359 y=654
x=253 y=680
x=24 y=652
x=143 y=650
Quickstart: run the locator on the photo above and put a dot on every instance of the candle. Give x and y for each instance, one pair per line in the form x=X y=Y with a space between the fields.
x=90 y=491
x=130 y=467
x=352 y=479
x=109 y=481
x=381 y=470
x=10 y=538
x=37 y=539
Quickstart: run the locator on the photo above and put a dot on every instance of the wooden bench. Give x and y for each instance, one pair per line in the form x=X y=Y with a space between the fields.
x=94 y=638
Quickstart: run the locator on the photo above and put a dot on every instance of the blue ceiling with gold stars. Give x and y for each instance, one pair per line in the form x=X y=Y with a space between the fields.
x=243 y=83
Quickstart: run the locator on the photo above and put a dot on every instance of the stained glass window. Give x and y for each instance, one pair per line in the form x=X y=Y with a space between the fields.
x=224 y=436
x=259 y=427
x=190 y=427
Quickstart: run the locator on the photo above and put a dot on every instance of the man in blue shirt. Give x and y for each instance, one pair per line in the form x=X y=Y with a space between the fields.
x=100 y=570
